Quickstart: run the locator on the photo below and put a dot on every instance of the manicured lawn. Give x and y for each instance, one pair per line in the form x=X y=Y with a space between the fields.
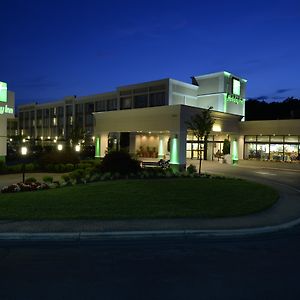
x=156 y=198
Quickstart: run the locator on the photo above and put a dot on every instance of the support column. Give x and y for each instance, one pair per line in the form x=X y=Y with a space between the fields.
x=234 y=149
x=161 y=152
x=101 y=143
x=132 y=143
x=241 y=147
x=178 y=151
x=97 y=147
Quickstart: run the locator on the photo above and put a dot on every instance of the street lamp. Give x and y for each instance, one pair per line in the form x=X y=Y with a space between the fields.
x=24 y=153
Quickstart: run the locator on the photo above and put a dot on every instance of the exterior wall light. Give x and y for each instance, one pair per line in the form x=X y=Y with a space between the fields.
x=59 y=147
x=77 y=148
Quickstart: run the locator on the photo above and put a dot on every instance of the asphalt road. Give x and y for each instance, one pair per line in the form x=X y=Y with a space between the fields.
x=259 y=267
x=277 y=175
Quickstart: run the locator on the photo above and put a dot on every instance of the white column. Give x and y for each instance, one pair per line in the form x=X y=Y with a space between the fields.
x=234 y=151
x=178 y=150
x=161 y=152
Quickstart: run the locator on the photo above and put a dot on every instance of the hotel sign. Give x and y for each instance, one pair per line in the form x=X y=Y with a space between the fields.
x=3 y=92
x=4 y=109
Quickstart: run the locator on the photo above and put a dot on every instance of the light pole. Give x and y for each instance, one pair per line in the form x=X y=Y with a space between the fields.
x=24 y=153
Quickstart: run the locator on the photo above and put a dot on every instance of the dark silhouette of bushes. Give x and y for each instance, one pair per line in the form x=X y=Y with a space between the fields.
x=119 y=162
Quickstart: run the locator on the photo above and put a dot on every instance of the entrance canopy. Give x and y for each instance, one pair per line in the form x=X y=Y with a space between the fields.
x=165 y=121
x=163 y=118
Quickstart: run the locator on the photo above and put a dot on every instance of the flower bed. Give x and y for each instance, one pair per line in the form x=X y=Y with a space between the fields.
x=24 y=187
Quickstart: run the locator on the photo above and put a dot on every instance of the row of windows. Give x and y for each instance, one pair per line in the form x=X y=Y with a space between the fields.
x=272 y=138
x=140 y=101
x=54 y=116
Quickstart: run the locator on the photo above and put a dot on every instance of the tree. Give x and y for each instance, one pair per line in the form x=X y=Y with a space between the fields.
x=201 y=125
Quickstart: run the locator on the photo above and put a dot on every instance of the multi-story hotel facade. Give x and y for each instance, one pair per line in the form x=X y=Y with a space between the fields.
x=154 y=116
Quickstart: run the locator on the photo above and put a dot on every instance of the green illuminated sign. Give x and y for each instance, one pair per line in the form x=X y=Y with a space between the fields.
x=3 y=92
x=6 y=110
x=234 y=98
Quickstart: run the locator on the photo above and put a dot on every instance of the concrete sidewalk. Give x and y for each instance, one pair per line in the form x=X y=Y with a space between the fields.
x=283 y=214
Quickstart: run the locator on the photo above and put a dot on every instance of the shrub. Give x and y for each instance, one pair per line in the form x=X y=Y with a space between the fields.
x=226 y=147
x=119 y=162
x=66 y=178
x=78 y=175
x=30 y=180
x=15 y=168
x=69 y=167
x=2 y=166
x=29 y=167
x=61 y=157
x=48 y=179
x=191 y=169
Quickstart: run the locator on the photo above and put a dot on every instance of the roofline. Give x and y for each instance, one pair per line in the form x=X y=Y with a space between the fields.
x=219 y=73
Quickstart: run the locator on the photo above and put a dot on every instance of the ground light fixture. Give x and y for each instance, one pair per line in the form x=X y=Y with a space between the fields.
x=24 y=151
x=59 y=147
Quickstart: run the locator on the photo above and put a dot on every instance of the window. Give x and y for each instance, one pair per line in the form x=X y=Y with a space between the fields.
x=157 y=99
x=101 y=105
x=112 y=104
x=140 y=101
x=125 y=103
x=89 y=108
x=236 y=87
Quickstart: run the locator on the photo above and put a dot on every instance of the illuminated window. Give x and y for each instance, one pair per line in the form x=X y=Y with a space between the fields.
x=236 y=87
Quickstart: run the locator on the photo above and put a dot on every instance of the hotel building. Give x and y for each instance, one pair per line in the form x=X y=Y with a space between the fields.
x=154 y=114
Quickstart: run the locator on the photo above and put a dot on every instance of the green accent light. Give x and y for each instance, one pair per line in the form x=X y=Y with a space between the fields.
x=174 y=151
x=97 y=148
x=3 y=92
x=235 y=156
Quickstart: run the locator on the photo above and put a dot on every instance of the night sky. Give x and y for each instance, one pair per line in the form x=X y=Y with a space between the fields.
x=52 y=49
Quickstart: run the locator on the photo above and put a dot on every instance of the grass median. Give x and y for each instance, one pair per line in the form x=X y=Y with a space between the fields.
x=140 y=199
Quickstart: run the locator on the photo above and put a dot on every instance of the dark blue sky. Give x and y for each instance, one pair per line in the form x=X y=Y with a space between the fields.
x=51 y=49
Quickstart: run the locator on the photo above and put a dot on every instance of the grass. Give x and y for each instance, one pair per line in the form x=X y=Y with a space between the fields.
x=138 y=199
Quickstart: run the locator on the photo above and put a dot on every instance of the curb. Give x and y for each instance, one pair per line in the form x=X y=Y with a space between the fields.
x=98 y=236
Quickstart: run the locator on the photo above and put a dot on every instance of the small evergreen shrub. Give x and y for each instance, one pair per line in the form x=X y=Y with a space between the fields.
x=48 y=179
x=119 y=162
x=30 y=180
x=191 y=169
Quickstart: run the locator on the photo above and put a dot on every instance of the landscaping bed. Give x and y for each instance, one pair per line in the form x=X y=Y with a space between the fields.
x=141 y=199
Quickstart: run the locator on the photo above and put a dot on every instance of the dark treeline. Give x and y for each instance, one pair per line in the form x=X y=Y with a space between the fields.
x=261 y=110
